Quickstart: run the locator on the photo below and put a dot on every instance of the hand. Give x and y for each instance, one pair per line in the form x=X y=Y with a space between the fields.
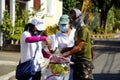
x=48 y=42
x=59 y=60
x=53 y=59
x=64 y=60
x=66 y=54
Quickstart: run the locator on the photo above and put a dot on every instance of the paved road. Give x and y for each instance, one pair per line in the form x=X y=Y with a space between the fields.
x=8 y=62
x=107 y=65
x=106 y=61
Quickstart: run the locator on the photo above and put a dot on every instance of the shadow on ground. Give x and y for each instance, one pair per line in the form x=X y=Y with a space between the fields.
x=107 y=76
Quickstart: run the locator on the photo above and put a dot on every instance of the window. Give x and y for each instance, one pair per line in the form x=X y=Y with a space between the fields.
x=37 y=4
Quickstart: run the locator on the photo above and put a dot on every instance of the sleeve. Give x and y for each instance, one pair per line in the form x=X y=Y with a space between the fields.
x=45 y=54
x=35 y=39
x=24 y=35
x=54 y=43
x=82 y=34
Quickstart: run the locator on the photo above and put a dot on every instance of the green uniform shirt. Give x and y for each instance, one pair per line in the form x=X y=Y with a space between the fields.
x=84 y=35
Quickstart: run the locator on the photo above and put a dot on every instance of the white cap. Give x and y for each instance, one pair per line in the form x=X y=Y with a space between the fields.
x=39 y=24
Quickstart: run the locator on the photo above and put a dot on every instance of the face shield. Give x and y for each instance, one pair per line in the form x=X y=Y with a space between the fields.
x=76 y=18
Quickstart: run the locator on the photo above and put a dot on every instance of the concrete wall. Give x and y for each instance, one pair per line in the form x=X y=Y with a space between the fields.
x=57 y=12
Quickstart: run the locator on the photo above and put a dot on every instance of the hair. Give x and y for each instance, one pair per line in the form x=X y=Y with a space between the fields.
x=72 y=12
x=29 y=26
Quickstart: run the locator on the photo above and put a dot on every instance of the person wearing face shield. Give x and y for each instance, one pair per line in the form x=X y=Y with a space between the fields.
x=63 y=41
x=76 y=18
x=81 y=52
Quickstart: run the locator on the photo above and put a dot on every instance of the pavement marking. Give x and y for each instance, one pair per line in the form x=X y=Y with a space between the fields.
x=8 y=62
x=7 y=76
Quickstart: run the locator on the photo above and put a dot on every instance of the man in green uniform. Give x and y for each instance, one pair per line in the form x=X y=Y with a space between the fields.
x=81 y=53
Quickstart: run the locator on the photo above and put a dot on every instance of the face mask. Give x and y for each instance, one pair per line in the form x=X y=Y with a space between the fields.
x=77 y=23
x=63 y=28
x=36 y=33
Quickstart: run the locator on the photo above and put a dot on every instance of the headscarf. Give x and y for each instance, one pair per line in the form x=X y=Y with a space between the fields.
x=78 y=22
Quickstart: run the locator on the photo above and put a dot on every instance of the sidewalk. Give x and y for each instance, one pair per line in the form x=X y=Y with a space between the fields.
x=8 y=62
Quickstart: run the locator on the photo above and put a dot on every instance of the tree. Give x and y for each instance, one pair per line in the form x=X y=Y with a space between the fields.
x=21 y=19
x=85 y=6
x=7 y=26
x=12 y=33
x=117 y=4
x=69 y=5
x=104 y=6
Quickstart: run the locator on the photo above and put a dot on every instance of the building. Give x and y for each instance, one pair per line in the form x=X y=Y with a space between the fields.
x=52 y=10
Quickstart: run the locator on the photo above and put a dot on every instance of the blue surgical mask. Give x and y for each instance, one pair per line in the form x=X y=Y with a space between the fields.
x=63 y=28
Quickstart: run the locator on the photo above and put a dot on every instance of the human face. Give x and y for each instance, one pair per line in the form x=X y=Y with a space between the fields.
x=64 y=27
x=36 y=33
x=32 y=29
x=72 y=16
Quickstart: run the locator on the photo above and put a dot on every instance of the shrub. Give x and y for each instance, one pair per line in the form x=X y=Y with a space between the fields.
x=97 y=30
x=51 y=30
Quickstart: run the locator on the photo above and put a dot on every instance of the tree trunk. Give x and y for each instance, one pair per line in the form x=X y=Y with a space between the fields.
x=103 y=20
x=85 y=4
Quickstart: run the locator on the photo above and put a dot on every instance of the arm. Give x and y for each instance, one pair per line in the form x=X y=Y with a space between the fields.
x=45 y=54
x=35 y=39
x=66 y=49
x=77 y=48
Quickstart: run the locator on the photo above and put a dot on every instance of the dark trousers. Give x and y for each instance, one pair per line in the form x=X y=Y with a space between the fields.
x=37 y=76
x=83 y=70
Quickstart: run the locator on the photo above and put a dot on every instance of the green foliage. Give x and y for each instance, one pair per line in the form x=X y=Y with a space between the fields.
x=7 y=26
x=117 y=14
x=110 y=21
x=69 y=5
x=21 y=19
x=104 y=6
x=58 y=69
x=35 y=12
x=13 y=32
x=90 y=28
x=116 y=25
x=92 y=8
x=97 y=30
x=51 y=30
